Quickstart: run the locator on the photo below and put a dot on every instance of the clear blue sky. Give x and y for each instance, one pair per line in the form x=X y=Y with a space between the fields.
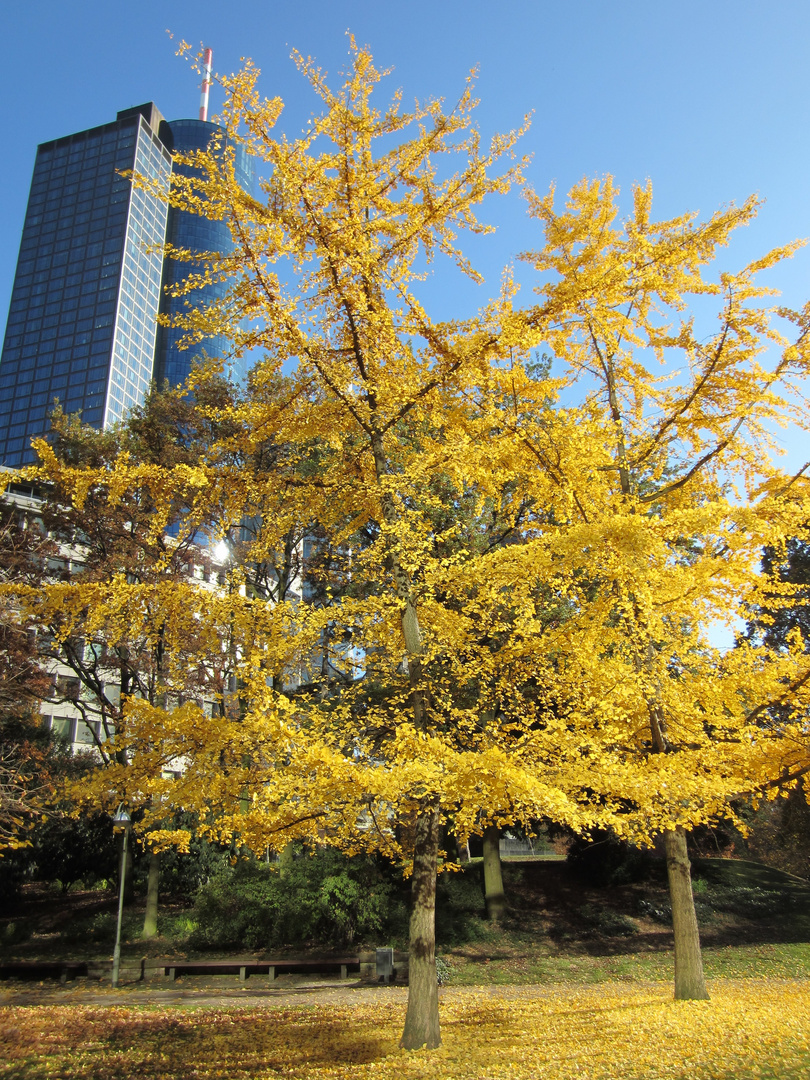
x=708 y=98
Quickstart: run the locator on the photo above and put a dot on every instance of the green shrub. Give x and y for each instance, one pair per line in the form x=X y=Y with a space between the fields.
x=750 y=902
x=15 y=932
x=443 y=971
x=660 y=912
x=103 y=926
x=322 y=898
x=605 y=921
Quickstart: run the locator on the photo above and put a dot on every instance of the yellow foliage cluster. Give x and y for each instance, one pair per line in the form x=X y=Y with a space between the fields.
x=525 y=567
x=750 y=1028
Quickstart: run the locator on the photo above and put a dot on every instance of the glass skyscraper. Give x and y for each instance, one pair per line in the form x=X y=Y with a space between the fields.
x=194 y=233
x=82 y=325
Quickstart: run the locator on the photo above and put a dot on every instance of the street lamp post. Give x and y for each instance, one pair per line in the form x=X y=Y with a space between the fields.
x=122 y=820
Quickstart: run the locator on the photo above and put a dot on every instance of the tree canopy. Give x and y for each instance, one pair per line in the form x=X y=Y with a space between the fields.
x=524 y=563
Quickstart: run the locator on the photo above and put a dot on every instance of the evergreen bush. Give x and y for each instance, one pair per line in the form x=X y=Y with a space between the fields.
x=323 y=898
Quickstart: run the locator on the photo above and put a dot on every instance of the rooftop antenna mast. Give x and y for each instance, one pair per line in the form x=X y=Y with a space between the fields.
x=208 y=56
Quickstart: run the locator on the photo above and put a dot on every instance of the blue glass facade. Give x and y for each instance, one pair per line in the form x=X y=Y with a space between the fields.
x=197 y=234
x=74 y=332
x=82 y=325
x=139 y=294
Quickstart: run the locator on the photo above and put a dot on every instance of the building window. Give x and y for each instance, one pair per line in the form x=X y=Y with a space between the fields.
x=62 y=727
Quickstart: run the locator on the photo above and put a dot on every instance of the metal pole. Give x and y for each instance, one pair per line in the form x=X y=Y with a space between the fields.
x=117 y=951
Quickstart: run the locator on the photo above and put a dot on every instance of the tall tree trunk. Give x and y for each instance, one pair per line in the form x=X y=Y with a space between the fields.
x=286 y=858
x=493 y=877
x=422 y=1017
x=689 y=981
x=150 y=918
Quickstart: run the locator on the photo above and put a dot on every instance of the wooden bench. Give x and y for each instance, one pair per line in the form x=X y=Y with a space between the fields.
x=42 y=969
x=245 y=968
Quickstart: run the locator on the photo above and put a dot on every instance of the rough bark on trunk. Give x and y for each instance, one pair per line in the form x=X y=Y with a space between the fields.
x=493 y=877
x=422 y=1018
x=689 y=981
x=150 y=918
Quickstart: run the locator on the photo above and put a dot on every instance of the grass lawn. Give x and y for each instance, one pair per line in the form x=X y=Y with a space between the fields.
x=783 y=960
x=750 y=1028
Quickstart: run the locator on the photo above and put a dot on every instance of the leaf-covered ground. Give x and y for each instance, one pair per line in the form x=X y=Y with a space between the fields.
x=749 y=1028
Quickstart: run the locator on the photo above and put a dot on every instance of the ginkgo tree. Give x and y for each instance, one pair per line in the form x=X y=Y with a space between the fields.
x=352 y=209
x=665 y=490
x=355 y=219
x=564 y=671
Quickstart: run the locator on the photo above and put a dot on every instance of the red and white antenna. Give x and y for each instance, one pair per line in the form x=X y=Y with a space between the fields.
x=208 y=56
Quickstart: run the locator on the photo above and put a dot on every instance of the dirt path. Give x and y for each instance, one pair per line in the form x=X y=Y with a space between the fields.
x=197 y=993
x=208 y=994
